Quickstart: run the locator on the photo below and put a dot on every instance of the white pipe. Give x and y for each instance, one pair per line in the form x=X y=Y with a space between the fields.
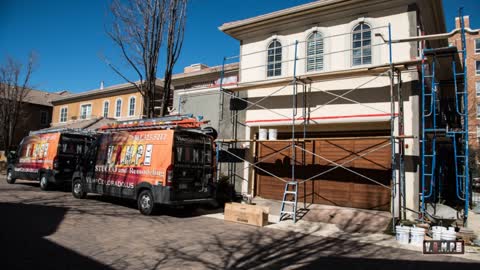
x=429 y=37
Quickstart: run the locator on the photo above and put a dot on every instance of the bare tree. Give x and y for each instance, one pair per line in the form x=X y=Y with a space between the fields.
x=139 y=28
x=176 y=30
x=14 y=80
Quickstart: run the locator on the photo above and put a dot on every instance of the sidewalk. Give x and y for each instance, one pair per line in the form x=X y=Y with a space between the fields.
x=363 y=226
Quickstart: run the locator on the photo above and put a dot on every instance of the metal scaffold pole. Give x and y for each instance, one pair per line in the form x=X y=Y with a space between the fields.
x=465 y=117
x=392 y=125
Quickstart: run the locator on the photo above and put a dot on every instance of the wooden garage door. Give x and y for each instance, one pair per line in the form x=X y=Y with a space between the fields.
x=337 y=186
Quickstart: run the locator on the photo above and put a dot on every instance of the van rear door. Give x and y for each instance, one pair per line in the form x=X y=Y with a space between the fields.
x=70 y=148
x=192 y=166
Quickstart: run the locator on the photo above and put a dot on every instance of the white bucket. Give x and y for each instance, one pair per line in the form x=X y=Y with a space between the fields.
x=262 y=133
x=272 y=134
x=437 y=232
x=418 y=235
x=449 y=234
x=402 y=234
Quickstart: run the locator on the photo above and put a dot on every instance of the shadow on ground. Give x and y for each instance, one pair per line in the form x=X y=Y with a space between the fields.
x=271 y=249
x=23 y=229
x=173 y=211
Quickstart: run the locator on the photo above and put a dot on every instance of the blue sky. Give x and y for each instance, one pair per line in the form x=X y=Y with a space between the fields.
x=69 y=36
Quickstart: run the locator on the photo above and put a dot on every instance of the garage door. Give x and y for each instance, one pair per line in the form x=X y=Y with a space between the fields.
x=368 y=167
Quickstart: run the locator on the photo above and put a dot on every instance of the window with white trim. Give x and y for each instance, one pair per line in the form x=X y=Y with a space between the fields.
x=131 y=106
x=63 y=114
x=478 y=111
x=477 y=45
x=106 y=105
x=477 y=87
x=85 y=111
x=315 y=52
x=361 y=45
x=274 y=59
x=478 y=131
x=118 y=108
x=477 y=67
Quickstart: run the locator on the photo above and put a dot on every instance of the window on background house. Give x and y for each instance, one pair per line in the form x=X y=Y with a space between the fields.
x=43 y=117
x=131 y=106
x=477 y=67
x=362 y=45
x=478 y=111
x=477 y=87
x=477 y=45
x=118 y=108
x=274 y=60
x=478 y=131
x=63 y=114
x=85 y=111
x=106 y=106
x=315 y=52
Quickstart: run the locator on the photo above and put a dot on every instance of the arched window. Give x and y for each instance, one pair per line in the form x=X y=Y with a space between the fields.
x=362 y=45
x=131 y=106
x=315 y=52
x=118 y=108
x=274 y=59
x=106 y=107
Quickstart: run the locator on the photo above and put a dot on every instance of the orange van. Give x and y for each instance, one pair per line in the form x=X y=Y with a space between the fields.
x=151 y=163
x=48 y=156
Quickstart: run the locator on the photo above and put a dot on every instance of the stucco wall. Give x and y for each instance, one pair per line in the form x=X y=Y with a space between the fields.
x=337 y=43
x=97 y=107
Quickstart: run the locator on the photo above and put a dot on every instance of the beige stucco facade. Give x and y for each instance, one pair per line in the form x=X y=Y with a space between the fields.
x=98 y=106
x=341 y=96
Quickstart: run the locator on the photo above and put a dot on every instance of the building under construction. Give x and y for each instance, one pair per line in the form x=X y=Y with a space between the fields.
x=359 y=104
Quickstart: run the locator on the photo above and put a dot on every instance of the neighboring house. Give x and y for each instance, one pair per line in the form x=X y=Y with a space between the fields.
x=339 y=53
x=36 y=113
x=197 y=92
x=118 y=102
x=473 y=70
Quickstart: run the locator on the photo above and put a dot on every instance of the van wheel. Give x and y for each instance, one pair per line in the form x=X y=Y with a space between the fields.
x=78 y=190
x=10 y=178
x=44 y=185
x=146 y=203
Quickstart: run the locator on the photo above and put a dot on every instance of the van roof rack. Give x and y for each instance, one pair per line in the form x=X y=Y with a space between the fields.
x=167 y=122
x=76 y=131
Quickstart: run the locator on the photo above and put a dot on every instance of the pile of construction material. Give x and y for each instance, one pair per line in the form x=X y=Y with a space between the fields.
x=418 y=233
x=246 y=214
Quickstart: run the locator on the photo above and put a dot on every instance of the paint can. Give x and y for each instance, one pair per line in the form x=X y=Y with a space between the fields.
x=262 y=134
x=449 y=235
x=272 y=134
x=418 y=235
x=402 y=234
x=437 y=232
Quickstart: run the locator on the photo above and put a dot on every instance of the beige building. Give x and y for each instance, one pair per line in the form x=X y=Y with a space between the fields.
x=119 y=102
x=331 y=56
x=195 y=92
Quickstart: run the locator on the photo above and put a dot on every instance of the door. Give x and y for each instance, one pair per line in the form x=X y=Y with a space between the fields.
x=362 y=180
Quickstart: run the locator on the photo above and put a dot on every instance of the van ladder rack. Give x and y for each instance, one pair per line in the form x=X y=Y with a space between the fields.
x=77 y=131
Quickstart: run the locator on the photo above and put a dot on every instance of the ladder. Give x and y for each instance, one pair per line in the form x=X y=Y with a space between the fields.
x=291 y=190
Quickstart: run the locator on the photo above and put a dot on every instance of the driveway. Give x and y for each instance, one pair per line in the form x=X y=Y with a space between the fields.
x=52 y=230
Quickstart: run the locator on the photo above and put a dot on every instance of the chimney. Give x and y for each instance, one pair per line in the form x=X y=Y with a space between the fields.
x=466 y=20
x=101 y=85
x=194 y=67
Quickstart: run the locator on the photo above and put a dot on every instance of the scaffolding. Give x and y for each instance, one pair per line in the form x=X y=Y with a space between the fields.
x=444 y=126
x=391 y=69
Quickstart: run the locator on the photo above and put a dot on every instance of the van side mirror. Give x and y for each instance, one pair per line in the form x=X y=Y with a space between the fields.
x=12 y=155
